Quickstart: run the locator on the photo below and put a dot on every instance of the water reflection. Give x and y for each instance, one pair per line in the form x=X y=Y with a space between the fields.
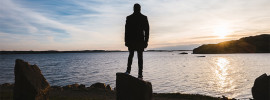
x=221 y=72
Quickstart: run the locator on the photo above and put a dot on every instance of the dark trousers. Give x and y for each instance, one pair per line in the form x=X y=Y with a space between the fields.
x=140 y=61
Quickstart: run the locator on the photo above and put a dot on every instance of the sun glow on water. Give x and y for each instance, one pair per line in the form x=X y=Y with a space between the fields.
x=221 y=70
x=222 y=74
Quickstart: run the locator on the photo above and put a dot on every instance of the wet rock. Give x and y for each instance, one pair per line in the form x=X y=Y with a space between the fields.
x=30 y=84
x=98 y=85
x=261 y=88
x=131 y=88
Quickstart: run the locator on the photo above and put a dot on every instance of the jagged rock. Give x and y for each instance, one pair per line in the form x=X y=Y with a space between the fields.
x=261 y=88
x=108 y=87
x=30 y=84
x=131 y=88
x=98 y=85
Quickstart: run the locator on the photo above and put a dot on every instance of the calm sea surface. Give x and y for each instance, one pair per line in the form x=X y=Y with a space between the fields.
x=231 y=75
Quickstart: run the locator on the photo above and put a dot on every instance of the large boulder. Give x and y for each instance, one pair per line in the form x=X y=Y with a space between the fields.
x=131 y=88
x=30 y=84
x=261 y=88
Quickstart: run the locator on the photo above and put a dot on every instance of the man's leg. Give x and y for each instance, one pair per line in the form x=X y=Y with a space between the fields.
x=140 y=63
x=130 y=57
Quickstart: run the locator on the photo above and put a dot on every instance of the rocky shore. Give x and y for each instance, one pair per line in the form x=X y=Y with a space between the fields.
x=98 y=91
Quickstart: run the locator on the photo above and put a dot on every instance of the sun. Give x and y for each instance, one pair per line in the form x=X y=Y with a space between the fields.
x=222 y=31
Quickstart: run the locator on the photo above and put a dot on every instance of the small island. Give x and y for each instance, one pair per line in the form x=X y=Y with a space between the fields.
x=251 y=44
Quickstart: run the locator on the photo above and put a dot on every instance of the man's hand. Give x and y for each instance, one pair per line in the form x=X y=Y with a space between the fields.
x=145 y=44
x=126 y=44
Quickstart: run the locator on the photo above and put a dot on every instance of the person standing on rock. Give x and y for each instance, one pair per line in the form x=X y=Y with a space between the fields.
x=136 y=37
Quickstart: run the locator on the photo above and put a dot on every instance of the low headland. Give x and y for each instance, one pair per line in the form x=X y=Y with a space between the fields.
x=251 y=44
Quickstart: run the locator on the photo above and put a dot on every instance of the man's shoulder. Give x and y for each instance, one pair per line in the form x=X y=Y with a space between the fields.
x=129 y=16
x=144 y=15
x=132 y=16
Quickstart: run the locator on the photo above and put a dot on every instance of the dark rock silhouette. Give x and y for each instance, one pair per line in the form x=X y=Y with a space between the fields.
x=183 y=53
x=98 y=85
x=30 y=84
x=201 y=56
x=252 y=44
x=131 y=88
x=261 y=88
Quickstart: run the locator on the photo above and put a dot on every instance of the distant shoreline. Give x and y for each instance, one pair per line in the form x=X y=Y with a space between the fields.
x=54 y=51
x=81 y=51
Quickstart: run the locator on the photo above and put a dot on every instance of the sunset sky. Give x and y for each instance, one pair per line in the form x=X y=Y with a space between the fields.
x=99 y=24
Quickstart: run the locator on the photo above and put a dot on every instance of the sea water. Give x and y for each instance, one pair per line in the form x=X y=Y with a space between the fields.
x=231 y=75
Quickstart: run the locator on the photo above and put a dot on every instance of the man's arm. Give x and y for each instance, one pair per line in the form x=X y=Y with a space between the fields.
x=146 y=30
x=126 y=32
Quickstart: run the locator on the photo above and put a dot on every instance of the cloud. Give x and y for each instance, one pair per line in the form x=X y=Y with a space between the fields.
x=99 y=24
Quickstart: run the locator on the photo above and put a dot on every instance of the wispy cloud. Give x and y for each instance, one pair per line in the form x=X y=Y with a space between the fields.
x=99 y=24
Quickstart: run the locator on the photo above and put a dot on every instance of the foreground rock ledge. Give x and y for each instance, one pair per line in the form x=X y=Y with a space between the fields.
x=131 y=88
x=30 y=84
x=261 y=88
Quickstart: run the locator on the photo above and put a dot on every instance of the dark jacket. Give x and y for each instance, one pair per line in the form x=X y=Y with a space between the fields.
x=136 y=31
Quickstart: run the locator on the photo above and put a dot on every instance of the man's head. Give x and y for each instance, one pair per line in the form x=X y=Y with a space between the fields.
x=137 y=8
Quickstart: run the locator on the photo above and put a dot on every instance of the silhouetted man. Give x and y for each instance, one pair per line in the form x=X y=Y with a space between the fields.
x=136 y=37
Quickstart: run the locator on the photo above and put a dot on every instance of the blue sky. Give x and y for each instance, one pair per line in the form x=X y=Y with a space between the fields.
x=99 y=24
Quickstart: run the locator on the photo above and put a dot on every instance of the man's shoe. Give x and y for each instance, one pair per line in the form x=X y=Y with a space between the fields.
x=140 y=77
x=127 y=73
